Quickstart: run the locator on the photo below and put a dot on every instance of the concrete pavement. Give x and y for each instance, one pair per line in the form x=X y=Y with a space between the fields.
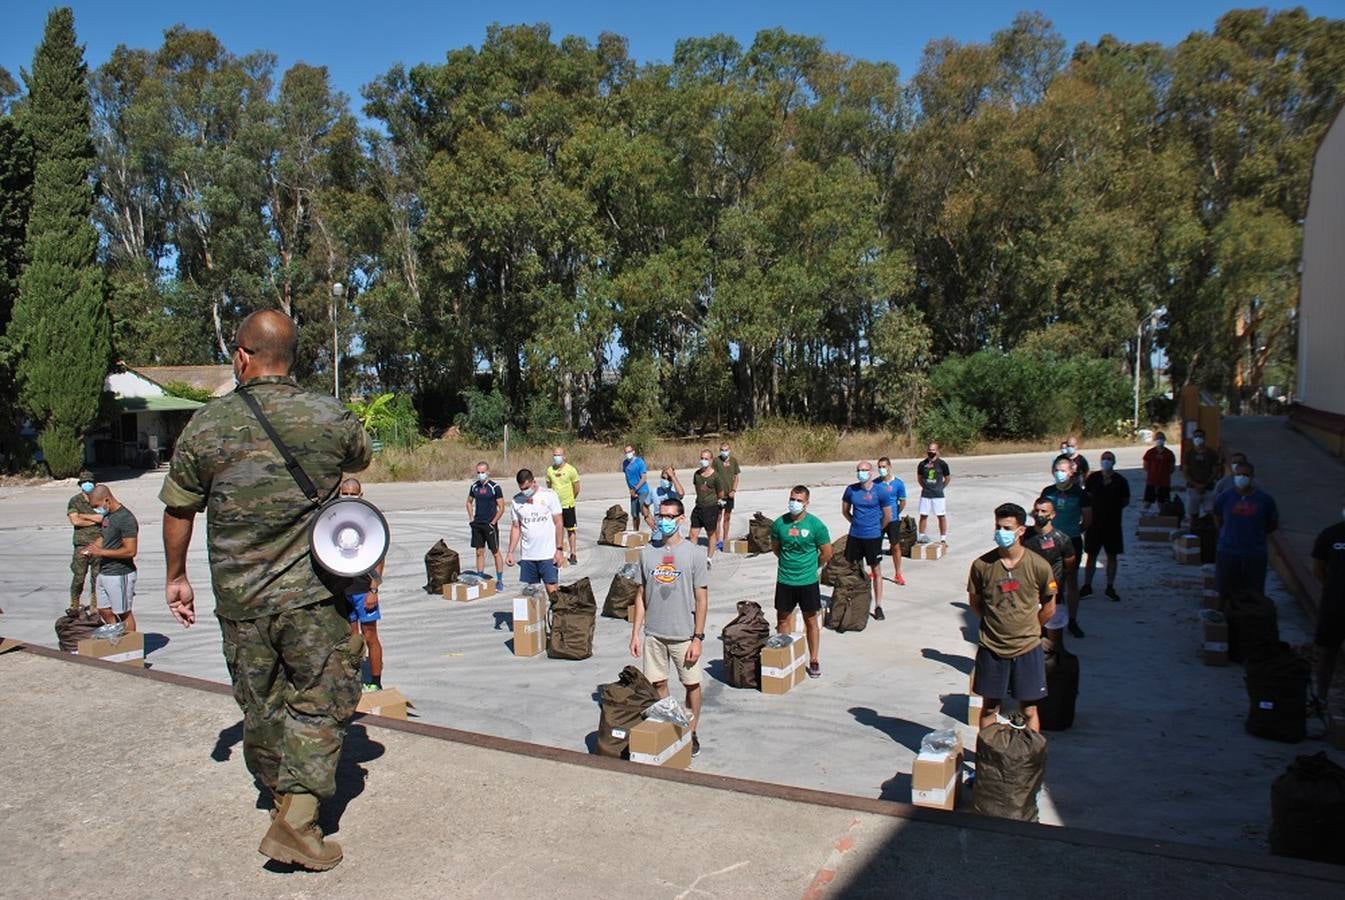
x=130 y=787
x=1157 y=750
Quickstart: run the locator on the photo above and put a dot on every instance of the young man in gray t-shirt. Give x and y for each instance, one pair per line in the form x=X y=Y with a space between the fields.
x=670 y=607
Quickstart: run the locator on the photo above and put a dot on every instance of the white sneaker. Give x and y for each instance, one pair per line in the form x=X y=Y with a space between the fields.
x=943 y=539
x=922 y=539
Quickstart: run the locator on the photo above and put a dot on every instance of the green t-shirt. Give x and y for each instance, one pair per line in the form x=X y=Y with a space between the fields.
x=706 y=483
x=728 y=470
x=800 y=542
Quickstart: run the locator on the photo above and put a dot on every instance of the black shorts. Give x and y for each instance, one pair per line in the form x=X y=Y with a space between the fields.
x=567 y=517
x=1021 y=677
x=705 y=517
x=868 y=549
x=1159 y=493
x=485 y=535
x=1108 y=538
x=1330 y=623
x=807 y=597
x=728 y=504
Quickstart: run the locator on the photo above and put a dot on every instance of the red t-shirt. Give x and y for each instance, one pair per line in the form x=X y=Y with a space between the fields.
x=1159 y=463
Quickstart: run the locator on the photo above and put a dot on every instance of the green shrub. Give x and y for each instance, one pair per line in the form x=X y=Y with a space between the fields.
x=485 y=418
x=1016 y=393
x=955 y=425
x=775 y=441
x=1102 y=393
x=390 y=418
x=188 y=392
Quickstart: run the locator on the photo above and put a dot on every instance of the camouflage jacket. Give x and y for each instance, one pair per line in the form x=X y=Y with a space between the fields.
x=257 y=519
x=84 y=534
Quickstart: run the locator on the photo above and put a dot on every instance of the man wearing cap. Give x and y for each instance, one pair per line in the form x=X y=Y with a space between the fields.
x=86 y=523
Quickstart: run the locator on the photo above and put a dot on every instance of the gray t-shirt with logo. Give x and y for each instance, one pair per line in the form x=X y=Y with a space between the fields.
x=671 y=576
x=117 y=526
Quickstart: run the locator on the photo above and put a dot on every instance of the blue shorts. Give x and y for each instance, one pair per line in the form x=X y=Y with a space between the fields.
x=359 y=614
x=1021 y=677
x=531 y=571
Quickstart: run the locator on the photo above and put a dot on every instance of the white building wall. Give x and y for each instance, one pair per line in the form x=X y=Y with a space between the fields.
x=1321 y=308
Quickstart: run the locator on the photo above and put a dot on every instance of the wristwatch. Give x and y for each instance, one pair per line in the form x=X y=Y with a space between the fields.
x=698 y=637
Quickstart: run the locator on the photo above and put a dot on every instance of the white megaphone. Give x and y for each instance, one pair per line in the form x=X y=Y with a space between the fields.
x=349 y=537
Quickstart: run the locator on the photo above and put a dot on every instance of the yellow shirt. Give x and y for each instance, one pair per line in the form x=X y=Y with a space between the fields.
x=563 y=481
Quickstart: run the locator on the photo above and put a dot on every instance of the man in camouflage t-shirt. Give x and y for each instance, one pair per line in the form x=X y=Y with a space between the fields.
x=287 y=642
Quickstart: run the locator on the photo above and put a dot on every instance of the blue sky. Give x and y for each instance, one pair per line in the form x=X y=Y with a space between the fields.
x=360 y=40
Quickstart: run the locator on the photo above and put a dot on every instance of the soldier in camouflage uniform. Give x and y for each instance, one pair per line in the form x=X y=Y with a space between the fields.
x=287 y=641
x=86 y=522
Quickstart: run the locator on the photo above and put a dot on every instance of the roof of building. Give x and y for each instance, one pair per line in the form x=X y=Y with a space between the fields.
x=166 y=403
x=219 y=380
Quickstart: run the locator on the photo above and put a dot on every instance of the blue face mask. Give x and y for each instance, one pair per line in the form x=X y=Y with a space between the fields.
x=528 y=492
x=1241 y=481
x=667 y=526
x=863 y=474
x=482 y=476
x=1107 y=465
x=882 y=471
x=101 y=510
x=1061 y=477
x=1070 y=451
x=86 y=487
x=1005 y=537
x=557 y=460
x=665 y=484
x=795 y=507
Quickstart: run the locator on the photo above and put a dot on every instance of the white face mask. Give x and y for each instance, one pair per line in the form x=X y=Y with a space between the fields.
x=630 y=454
x=482 y=476
x=557 y=459
x=705 y=463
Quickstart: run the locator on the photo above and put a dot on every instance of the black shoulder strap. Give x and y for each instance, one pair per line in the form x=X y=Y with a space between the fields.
x=296 y=471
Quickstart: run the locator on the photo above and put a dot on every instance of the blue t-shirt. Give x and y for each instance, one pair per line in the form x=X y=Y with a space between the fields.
x=1070 y=502
x=895 y=490
x=1244 y=522
x=487 y=495
x=634 y=469
x=669 y=493
x=866 y=509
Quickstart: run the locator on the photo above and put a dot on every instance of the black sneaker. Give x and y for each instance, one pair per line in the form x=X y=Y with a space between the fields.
x=878 y=614
x=574 y=560
x=695 y=745
x=1111 y=592
x=814 y=670
x=1085 y=590
x=1074 y=629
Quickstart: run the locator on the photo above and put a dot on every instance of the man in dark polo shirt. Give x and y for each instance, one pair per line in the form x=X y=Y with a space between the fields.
x=1109 y=493
x=485 y=505
x=1328 y=564
x=1200 y=468
x=1012 y=591
x=1073 y=516
x=1056 y=548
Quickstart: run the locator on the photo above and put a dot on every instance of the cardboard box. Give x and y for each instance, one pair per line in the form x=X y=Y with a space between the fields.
x=1167 y=523
x=1209 y=599
x=934 y=777
x=1207 y=575
x=1154 y=534
x=974 y=702
x=738 y=546
x=465 y=593
x=1186 y=541
x=632 y=539
x=529 y=625
x=128 y=649
x=932 y=550
x=8 y=644
x=783 y=667
x=388 y=702
x=1186 y=556
x=633 y=555
x=661 y=744
x=1215 y=646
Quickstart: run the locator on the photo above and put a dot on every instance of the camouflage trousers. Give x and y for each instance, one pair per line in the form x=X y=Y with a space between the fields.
x=296 y=677
x=83 y=567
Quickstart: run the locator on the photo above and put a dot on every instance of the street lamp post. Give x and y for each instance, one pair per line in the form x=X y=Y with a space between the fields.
x=338 y=292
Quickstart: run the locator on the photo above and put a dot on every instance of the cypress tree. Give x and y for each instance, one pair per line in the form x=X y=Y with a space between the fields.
x=61 y=331
x=16 y=191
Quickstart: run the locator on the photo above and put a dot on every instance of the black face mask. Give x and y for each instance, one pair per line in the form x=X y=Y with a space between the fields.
x=931 y=453
x=1043 y=522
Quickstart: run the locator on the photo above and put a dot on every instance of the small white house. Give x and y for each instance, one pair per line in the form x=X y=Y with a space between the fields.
x=149 y=418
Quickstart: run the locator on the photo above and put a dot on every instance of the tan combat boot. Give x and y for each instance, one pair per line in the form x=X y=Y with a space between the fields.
x=294 y=837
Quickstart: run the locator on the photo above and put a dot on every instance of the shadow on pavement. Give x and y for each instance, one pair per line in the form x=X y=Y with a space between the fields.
x=963 y=664
x=903 y=731
x=155 y=641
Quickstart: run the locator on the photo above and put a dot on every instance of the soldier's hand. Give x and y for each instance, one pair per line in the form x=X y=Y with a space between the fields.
x=181 y=602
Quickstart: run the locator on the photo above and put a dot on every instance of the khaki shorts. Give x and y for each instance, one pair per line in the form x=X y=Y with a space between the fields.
x=658 y=652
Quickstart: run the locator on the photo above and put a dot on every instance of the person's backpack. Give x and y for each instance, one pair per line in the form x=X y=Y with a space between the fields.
x=1277 y=694
x=743 y=639
x=1173 y=507
x=1205 y=529
x=621 y=595
x=907 y=534
x=1010 y=767
x=76 y=625
x=570 y=624
x=1253 y=624
x=838 y=561
x=759 y=533
x=622 y=706
x=441 y=567
x=851 y=596
x=613 y=523
x=1055 y=711
x=1307 y=810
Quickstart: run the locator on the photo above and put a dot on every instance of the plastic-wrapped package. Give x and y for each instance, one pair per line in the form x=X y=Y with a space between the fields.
x=1212 y=616
x=470 y=578
x=111 y=632
x=669 y=709
x=532 y=589
x=630 y=571
x=939 y=741
x=780 y=640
